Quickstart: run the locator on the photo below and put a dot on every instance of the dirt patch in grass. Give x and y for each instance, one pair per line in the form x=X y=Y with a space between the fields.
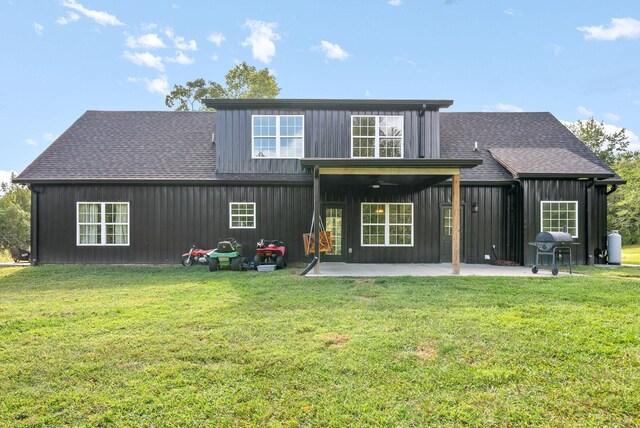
x=334 y=339
x=365 y=298
x=427 y=352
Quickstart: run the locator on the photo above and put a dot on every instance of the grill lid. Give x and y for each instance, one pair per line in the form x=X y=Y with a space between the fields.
x=554 y=237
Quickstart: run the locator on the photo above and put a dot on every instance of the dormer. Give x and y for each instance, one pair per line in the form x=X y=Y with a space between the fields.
x=263 y=136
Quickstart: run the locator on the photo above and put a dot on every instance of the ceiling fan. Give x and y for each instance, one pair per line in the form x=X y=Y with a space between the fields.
x=376 y=184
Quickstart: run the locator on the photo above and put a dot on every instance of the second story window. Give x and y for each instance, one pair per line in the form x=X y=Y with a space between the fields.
x=377 y=136
x=277 y=136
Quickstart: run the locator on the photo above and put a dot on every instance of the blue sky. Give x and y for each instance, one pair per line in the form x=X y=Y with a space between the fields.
x=574 y=58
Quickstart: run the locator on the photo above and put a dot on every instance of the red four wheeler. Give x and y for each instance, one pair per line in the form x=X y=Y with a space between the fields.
x=270 y=252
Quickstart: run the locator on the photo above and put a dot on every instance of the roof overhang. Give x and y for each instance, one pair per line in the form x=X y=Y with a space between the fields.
x=350 y=166
x=404 y=172
x=326 y=104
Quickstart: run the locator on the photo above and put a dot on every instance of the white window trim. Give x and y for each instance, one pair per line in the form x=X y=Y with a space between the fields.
x=231 y=215
x=386 y=224
x=377 y=137
x=277 y=136
x=103 y=224
x=560 y=202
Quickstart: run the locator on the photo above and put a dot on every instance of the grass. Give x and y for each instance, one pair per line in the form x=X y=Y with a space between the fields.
x=167 y=346
x=631 y=254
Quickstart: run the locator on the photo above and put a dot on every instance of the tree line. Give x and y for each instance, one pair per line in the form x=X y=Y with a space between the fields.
x=613 y=148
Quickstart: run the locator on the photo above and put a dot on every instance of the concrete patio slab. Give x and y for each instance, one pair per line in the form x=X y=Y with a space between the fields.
x=424 y=269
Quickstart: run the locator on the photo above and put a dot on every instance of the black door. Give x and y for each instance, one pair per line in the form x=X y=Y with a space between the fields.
x=446 y=233
x=333 y=222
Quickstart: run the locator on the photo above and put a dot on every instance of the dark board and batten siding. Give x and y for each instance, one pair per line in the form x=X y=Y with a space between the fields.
x=166 y=220
x=327 y=134
x=593 y=230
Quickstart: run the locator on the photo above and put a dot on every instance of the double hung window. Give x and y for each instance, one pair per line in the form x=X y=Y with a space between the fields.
x=556 y=215
x=277 y=136
x=377 y=136
x=387 y=224
x=102 y=223
x=242 y=215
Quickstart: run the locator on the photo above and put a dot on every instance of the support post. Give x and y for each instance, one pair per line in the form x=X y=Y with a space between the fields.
x=316 y=217
x=455 y=220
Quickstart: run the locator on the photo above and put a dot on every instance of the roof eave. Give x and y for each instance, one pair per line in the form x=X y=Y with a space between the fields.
x=526 y=175
x=290 y=103
x=399 y=163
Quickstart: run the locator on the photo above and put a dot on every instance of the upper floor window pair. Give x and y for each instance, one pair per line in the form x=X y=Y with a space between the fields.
x=282 y=136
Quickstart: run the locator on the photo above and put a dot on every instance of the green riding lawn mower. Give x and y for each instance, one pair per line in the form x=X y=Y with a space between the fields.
x=227 y=255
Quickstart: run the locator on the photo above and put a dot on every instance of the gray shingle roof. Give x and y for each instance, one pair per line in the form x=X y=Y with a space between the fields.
x=529 y=133
x=131 y=145
x=525 y=162
x=176 y=146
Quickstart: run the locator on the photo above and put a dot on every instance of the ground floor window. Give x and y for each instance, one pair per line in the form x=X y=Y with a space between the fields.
x=556 y=215
x=387 y=224
x=103 y=223
x=242 y=215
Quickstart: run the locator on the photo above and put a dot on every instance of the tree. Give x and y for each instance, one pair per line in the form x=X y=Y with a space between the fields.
x=609 y=146
x=624 y=204
x=15 y=215
x=242 y=81
x=613 y=148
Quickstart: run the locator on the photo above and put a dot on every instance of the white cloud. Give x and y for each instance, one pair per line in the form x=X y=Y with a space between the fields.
x=180 y=42
x=148 y=26
x=611 y=116
x=146 y=41
x=509 y=108
x=216 y=38
x=331 y=51
x=557 y=49
x=145 y=58
x=404 y=60
x=395 y=2
x=180 y=58
x=367 y=93
x=48 y=136
x=31 y=142
x=101 y=17
x=159 y=85
x=38 y=28
x=71 y=17
x=175 y=6
x=262 y=38
x=214 y=57
x=620 y=28
x=583 y=111
x=512 y=12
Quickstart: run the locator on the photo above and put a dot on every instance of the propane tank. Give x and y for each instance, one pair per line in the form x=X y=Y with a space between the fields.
x=614 y=246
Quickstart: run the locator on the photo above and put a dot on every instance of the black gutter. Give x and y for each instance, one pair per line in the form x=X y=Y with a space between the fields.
x=421 y=143
x=613 y=189
x=225 y=181
x=331 y=104
x=564 y=175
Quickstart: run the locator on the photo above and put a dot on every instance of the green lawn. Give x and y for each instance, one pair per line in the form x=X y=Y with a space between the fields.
x=631 y=255
x=168 y=346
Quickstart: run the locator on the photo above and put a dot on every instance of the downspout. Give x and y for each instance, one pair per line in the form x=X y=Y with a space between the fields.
x=421 y=143
x=587 y=213
x=613 y=189
x=34 y=224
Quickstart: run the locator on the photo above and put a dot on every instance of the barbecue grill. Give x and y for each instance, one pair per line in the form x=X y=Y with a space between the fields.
x=552 y=244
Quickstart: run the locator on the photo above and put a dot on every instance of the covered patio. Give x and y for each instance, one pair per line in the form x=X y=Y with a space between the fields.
x=424 y=269
x=374 y=173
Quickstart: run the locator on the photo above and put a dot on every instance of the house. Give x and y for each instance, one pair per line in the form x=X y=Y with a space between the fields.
x=393 y=181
